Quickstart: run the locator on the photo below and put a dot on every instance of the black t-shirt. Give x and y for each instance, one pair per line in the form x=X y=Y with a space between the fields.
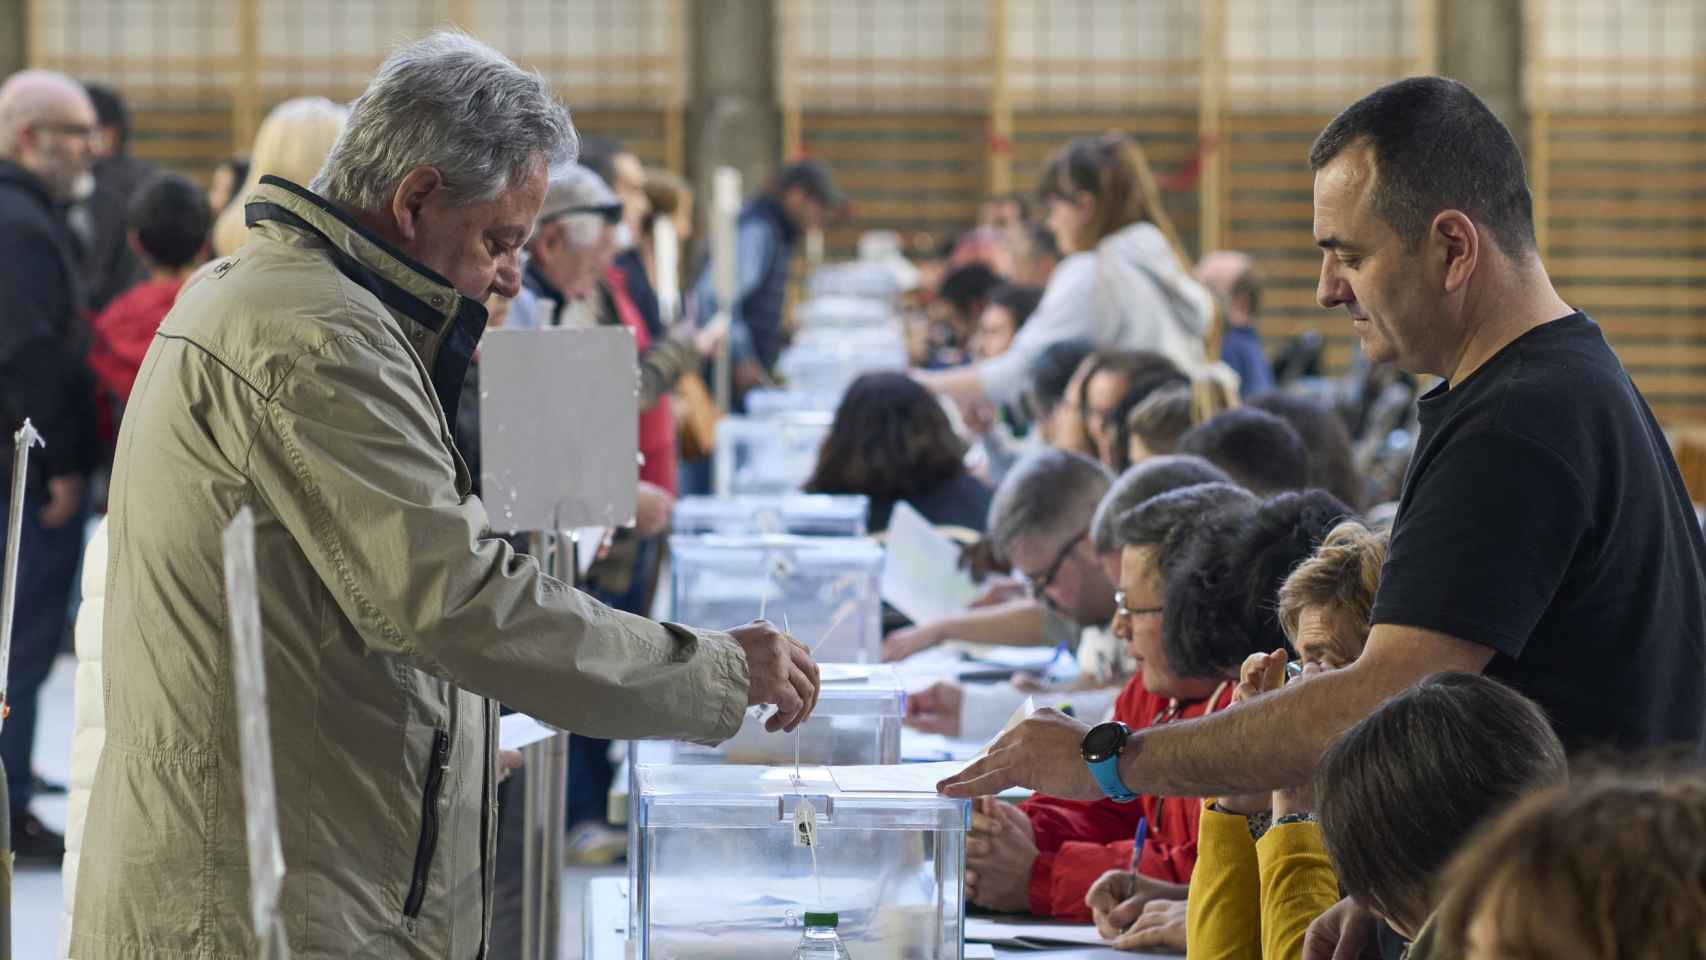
x=1544 y=516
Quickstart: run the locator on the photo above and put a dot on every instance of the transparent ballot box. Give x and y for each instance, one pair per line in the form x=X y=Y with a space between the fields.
x=825 y=590
x=857 y=722
x=724 y=870
x=769 y=456
x=811 y=514
x=764 y=402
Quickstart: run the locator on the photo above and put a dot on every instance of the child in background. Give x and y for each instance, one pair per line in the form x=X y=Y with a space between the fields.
x=168 y=225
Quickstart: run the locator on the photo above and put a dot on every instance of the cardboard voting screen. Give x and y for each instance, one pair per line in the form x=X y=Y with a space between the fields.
x=559 y=427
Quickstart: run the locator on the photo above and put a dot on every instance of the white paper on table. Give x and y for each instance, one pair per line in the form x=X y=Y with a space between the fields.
x=978 y=951
x=519 y=730
x=843 y=673
x=1032 y=936
x=895 y=777
x=921 y=570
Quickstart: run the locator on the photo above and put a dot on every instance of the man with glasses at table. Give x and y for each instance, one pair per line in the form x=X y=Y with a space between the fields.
x=46 y=124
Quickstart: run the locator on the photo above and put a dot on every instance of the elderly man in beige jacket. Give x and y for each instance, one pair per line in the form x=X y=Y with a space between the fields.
x=312 y=375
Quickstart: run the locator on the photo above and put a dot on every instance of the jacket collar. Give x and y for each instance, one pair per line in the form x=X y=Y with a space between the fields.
x=767 y=206
x=13 y=173
x=442 y=326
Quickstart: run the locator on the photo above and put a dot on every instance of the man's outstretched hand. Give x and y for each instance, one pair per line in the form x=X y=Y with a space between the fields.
x=779 y=670
x=1042 y=753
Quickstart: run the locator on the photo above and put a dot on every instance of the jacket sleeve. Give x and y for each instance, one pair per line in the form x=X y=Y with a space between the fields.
x=1223 y=912
x=1060 y=881
x=40 y=377
x=350 y=455
x=1298 y=885
x=662 y=366
x=1055 y=821
x=1067 y=310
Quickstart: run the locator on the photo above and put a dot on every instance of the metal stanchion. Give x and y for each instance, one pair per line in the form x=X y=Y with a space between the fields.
x=545 y=801
x=23 y=440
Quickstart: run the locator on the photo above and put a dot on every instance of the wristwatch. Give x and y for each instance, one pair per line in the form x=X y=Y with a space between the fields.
x=1101 y=749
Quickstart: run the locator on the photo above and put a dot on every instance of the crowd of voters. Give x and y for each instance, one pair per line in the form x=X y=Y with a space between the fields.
x=1453 y=710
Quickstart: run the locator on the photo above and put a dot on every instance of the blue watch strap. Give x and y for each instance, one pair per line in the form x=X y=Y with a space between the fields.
x=1107 y=774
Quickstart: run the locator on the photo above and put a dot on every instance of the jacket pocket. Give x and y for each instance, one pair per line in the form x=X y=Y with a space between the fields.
x=427 y=845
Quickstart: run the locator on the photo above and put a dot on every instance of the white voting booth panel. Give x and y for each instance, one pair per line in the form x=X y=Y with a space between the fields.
x=767 y=457
x=807 y=514
x=559 y=427
x=730 y=858
x=824 y=590
x=857 y=722
x=559 y=436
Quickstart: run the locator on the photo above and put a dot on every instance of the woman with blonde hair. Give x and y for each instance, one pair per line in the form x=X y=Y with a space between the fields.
x=1126 y=283
x=292 y=143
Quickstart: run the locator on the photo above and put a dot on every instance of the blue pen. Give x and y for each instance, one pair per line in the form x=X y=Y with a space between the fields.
x=1059 y=651
x=1137 y=849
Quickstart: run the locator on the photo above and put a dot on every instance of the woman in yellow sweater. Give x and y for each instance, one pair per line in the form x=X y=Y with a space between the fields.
x=1324 y=606
x=1399 y=792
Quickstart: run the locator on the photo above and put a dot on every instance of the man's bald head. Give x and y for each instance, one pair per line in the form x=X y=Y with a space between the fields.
x=46 y=121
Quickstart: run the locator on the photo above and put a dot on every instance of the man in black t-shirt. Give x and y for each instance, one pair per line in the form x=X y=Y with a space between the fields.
x=1544 y=536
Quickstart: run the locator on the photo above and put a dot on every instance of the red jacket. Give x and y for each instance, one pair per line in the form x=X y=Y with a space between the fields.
x=122 y=333
x=657 y=423
x=1078 y=841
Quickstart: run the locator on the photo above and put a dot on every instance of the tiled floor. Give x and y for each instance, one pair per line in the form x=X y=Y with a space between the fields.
x=37 y=905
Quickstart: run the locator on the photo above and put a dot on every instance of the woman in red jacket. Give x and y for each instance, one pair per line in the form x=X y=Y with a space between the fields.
x=1213 y=558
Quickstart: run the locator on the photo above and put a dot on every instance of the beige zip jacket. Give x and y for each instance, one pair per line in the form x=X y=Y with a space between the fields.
x=312 y=375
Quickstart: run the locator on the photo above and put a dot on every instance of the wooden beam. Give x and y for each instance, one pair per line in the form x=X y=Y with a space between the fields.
x=1539 y=120
x=788 y=72
x=1210 y=135
x=675 y=110
x=463 y=14
x=246 y=103
x=1000 y=103
x=34 y=43
x=1425 y=24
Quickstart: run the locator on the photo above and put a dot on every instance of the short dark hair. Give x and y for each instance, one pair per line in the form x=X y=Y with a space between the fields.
x=890 y=439
x=1248 y=286
x=1140 y=483
x=110 y=111
x=598 y=154
x=1161 y=419
x=1145 y=372
x=1018 y=300
x=1050 y=371
x=1404 y=788
x=1326 y=440
x=171 y=218
x=1175 y=521
x=1222 y=602
x=969 y=287
x=1256 y=448
x=1436 y=147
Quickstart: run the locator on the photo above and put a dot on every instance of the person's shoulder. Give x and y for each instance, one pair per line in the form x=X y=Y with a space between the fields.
x=263 y=309
x=1563 y=381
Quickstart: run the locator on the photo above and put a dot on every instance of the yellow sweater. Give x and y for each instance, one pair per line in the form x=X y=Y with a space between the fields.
x=1254 y=900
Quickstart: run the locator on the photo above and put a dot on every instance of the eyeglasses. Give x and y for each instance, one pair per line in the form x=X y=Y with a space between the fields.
x=1038 y=586
x=81 y=131
x=1121 y=610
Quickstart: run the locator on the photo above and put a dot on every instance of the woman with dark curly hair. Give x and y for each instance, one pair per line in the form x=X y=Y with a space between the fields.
x=891 y=441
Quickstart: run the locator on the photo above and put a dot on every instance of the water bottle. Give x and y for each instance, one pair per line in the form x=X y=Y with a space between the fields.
x=820 y=941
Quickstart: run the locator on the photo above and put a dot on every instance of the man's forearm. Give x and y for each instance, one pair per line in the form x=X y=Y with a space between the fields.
x=1270 y=744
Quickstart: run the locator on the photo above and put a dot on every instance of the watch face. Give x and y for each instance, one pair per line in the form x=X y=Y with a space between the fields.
x=1104 y=740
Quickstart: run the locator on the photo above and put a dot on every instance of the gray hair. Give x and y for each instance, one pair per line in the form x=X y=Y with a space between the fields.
x=1169 y=521
x=452 y=103
x=1050 y=494
x=1150 y=478
x=577 y=188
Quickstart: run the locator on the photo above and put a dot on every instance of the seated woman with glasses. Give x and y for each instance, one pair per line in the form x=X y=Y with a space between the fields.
x=1212 y=558
x=1215 y=573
